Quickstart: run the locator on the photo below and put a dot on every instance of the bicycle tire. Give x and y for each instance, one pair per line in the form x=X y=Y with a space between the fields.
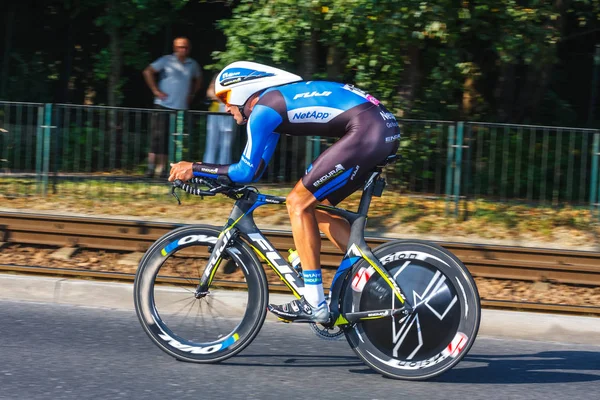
x=446 y=317
x=185 y=245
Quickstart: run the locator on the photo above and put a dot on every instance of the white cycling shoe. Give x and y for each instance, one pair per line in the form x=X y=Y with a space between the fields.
x=301 y=311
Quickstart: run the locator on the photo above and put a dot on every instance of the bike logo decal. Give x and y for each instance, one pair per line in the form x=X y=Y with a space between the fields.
x=370 y=181
x=452 y=350
x=437 y=280
x=313 y=114
x=361 y=278
x=186 y=240
x=308 y=95
x=213 y=348
x=361 y=93
x=379 y=314
x=235 y=75
x=398 y=337
x=216 y=255
x=401 y=329
x=354 y=251
x=275 y=260
x=456 y=346
x=416 y=255
x=354 y=173
x=412 y=365
x=331 y=174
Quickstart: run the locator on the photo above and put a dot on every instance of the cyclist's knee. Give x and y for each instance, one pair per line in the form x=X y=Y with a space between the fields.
x=300 y=203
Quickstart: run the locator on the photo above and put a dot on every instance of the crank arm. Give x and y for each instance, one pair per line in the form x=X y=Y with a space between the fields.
x=376 y=314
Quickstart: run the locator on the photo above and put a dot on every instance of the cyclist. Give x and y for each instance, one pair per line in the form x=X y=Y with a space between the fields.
x=273 y=102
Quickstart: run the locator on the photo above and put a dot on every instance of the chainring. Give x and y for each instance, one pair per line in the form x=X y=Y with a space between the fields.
x=334 y=333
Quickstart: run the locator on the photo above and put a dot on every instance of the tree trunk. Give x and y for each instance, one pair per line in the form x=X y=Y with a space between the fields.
x=9 y=25
x=64 y=90
x=334 y=63
x=309 y=56
x=530 y=95
x=531 y=92
x=505 y=92
x=468 y=96
x=411 y=80
x=116 y=56
x=116 y=62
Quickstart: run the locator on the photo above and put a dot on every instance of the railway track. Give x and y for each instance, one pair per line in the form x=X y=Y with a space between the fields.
x=487 y=261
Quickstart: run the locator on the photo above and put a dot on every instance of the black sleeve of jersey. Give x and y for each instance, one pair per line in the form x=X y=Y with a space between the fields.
x=210 y=170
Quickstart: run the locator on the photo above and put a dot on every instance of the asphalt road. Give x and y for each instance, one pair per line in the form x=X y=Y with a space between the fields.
x=53 y=351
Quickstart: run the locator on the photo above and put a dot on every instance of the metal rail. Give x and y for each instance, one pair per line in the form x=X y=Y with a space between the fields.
x=488 y=261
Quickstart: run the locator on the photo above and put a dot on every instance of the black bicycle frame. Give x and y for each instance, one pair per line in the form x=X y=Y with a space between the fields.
x=241 y=222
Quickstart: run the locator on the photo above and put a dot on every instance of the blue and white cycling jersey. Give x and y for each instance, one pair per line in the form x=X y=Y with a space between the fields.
x=308 y=108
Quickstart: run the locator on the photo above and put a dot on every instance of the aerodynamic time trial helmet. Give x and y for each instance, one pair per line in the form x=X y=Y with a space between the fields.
x=240 y=80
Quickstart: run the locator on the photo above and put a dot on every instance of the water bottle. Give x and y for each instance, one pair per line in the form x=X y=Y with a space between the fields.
x=294 y=259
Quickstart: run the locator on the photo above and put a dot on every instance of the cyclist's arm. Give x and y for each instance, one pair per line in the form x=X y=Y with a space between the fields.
x=257 y=153
x=270 y=147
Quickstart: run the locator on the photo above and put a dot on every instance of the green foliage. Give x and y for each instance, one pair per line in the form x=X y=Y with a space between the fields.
x=378 y=41
x=265 y=31
x=132 y=21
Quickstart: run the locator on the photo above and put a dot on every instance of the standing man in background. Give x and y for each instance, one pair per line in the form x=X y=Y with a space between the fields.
x=180 y=80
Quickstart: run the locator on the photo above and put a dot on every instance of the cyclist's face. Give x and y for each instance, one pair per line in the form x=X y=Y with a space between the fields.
x=237 y=115
x=248 y=107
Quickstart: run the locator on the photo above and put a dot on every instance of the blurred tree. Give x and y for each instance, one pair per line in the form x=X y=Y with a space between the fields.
x=9 y=18
x=502 y=60
x=442 y=59
x=128 y=24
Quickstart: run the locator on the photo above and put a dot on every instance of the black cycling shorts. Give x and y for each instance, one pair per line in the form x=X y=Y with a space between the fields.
x=370 y=138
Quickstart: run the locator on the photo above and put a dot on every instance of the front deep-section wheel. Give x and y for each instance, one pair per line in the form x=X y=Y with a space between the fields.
x=442 y=326
x=206 y=329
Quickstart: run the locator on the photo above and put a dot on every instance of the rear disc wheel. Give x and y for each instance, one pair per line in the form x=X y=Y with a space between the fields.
x=445 y=318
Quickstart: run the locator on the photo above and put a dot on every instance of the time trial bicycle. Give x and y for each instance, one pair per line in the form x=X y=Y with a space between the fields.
x=409 y=308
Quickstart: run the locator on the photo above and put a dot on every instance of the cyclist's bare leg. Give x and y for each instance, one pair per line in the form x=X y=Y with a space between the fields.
x=336 y=228
x=301 y=205
x=313 y=305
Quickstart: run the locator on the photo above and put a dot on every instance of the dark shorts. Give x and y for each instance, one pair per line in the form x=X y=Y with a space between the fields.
x=159 y=141
x=340 y=170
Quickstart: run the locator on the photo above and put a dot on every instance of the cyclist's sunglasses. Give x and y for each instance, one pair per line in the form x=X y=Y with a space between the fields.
x=224 y=96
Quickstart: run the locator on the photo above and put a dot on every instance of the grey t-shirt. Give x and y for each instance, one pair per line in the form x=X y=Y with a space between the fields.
x=175 y=80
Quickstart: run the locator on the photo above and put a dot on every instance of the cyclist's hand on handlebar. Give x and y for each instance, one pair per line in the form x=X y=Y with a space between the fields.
x=182 y=171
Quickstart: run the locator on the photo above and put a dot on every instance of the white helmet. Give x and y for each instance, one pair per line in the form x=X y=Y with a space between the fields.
x=240 y=80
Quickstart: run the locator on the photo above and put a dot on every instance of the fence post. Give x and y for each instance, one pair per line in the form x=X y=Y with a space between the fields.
x=46 y=157
x=457 y=166
x=468 y=185
x=172 y=133
x=594 y=177
x=308 y=156
x=39 y=150
x=179 y=138
x=449 y=164
x=316 y=147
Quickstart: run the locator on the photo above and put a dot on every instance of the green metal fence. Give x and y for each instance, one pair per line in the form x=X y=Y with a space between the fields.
x=46 y=148
x=23 y=134
x=530 y=164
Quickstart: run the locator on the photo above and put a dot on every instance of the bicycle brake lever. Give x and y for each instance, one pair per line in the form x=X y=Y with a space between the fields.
x=176 y=184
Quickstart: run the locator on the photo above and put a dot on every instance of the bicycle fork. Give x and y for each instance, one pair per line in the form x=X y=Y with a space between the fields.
x=214 y=261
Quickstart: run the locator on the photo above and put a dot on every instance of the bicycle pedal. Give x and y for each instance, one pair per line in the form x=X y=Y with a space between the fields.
x=284 y=320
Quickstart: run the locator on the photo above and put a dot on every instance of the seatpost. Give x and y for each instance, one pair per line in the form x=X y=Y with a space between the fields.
x=365 y=200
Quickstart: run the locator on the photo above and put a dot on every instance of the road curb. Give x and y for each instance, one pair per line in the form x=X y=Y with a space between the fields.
x=496 y=323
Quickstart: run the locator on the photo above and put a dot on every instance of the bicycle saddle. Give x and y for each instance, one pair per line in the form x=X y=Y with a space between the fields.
x=389 y=160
